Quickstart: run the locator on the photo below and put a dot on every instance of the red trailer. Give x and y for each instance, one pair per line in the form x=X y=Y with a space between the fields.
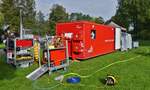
x=87 y=39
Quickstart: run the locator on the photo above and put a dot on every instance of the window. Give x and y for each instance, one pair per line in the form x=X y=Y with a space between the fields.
x=93 y=34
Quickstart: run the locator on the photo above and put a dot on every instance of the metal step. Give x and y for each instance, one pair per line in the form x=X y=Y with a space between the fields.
x=38 y=72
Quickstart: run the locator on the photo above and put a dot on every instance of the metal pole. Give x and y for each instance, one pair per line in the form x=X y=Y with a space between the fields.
x=21 y=25
x=7 y=49
x=39 y=54
x=15 y=63
x=67 y=56
x=48 y=56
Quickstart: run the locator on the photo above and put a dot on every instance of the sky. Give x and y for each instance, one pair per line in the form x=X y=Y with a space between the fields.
x=103 y=8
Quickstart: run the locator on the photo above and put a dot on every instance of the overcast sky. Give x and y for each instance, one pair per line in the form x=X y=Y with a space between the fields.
x=104 y=8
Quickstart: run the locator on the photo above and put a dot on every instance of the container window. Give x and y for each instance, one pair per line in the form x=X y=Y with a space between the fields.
x=93 y=34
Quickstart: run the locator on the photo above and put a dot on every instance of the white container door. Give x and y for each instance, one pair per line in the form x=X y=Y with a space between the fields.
x=117 y=38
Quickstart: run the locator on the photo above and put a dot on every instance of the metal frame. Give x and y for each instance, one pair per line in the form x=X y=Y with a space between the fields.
x=29 y=61
x=7 y=51
x=50 y=69
x=14 y=52
x=39 y=58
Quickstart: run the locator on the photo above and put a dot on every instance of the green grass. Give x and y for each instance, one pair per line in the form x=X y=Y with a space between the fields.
x=131 y=75
x=145 y=43
x=2 y=46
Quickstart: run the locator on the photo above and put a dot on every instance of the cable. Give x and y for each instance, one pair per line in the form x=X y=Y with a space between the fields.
x=101 y=68
x=87 y=76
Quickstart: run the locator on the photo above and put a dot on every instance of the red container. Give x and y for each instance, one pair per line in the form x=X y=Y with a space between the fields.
x=87 y=39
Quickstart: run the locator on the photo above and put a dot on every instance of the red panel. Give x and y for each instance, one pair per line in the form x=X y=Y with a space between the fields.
x=77 y=47
x=24 y=43
x=78 y=36
x=57 y=56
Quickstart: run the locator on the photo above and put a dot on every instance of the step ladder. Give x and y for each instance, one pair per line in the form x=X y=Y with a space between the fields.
x=38 y=72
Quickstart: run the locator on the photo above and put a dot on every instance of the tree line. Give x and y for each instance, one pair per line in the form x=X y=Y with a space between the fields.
x=10 y=10
x=59 y=14
x=136 y=14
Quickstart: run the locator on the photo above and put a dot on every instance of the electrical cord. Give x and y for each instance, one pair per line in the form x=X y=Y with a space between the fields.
x=87 y=76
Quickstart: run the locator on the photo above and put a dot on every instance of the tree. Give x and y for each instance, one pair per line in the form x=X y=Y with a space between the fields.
x=75 y=16
x=1 y=23
x=133 y=12
x=58 y=14
x=42 y=25
x=10 y=13
x=80 y=16
x=87 y=17
x=99 y=20
x=40 y=17
x=1 y=19
x=30 y=13
x=10 y=9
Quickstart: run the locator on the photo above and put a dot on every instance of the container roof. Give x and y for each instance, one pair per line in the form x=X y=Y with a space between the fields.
x=83 y=21
x=79 y=21
x=113 y=24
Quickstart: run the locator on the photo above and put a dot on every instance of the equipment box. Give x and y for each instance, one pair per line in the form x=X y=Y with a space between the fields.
x=57 y=56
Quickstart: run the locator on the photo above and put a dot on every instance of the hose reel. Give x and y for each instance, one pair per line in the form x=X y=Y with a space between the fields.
x=110 y=80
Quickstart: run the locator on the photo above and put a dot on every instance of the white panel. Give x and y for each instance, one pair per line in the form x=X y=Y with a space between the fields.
x=135 y=44
x=129 y=41
x=28 y=36
x=117 y=38
x=124 y=41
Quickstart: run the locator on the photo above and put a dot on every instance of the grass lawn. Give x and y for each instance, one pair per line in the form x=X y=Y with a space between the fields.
x=131 y=75
x=2 y=45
